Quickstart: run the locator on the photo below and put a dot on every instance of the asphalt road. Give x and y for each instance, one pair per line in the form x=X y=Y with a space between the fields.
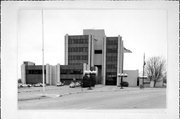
x=119 y=99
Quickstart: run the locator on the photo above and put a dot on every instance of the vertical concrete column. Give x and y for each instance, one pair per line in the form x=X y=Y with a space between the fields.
x=47 y=74
x=84 y=68
x=66 y=49
x=50 y=73
x=89 y=50
x=96 y=69
x=54 y=76
x=122 y=56
x=104 y=62
x=97 y=80
x=23 y=73
x=57 y=73
x=119 y=58
x=92 y=51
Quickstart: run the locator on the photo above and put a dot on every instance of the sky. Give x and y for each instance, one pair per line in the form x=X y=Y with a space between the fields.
x=142 y=31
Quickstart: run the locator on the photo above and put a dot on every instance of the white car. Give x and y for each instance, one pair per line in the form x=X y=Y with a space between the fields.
x=77 y=84
x=60 y=84
x=24 y=85
x=72 y=85
x=39 y=85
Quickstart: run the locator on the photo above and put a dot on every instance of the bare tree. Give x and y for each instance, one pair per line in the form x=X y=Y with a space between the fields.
x=155 y=69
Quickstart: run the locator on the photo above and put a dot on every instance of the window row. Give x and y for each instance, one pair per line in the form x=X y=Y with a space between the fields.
x=77 y=41
x=111 y=58
x=78 y=49
x=71 y=63
x=36 y=71
x=71 y=71
x=111 y=50
x=111 y=66
x=111 y=46
x=78 y=57
x=112 y=41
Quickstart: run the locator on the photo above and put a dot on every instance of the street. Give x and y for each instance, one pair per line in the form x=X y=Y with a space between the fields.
x=99 y=98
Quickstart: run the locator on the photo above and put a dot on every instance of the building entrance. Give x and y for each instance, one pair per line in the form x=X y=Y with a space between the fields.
x=99 y=75
x=111 y=80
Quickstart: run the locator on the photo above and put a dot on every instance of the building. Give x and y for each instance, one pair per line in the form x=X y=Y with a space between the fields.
x=91 y=51
x=96 y=50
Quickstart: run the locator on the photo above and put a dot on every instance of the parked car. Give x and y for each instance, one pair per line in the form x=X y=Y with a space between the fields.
x=20 y=85
x=72 y=85
x=60 y=84
x=77 y=84
x=39 y=85
x=24 y=85
x=125 y=84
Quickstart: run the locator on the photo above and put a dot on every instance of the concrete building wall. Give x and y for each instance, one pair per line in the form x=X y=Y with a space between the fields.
x=58 y=73
x=34 y=74
x=92 y=50
x=104 y=61
x=132 y=77
x=66 y=49
x=120 y=57
x=98 y=59
x=89 y=50
x=98 y=35
x=23 y=73
x=28 y=63
x=51 y=75
x=47 y=74
x=53 y=81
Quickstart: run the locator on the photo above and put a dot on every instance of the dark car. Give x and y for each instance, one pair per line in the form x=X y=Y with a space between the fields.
x=125 y=84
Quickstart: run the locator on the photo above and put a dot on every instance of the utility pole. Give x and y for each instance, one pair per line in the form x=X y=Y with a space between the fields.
x=143 y=68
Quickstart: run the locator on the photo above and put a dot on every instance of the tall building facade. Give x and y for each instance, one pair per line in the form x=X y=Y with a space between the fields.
x=95 y=49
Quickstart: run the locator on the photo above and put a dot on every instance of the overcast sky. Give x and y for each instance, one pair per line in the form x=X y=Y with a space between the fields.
x=143 y=31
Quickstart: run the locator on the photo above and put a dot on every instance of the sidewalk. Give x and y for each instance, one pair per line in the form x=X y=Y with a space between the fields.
x=35 y=93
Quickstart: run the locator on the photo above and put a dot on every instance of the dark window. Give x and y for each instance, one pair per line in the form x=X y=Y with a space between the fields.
x=77 y=57
x=71 y=71
x=36 y=71
x=98 y=52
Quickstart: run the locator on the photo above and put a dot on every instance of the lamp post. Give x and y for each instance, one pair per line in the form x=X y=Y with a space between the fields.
x=121 y=75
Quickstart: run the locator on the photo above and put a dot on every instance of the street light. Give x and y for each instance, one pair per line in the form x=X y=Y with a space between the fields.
x=122 y=75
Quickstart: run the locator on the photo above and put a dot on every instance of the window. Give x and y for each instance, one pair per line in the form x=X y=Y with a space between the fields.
x=98 y=52
x=86 y=49
x=36 y=71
